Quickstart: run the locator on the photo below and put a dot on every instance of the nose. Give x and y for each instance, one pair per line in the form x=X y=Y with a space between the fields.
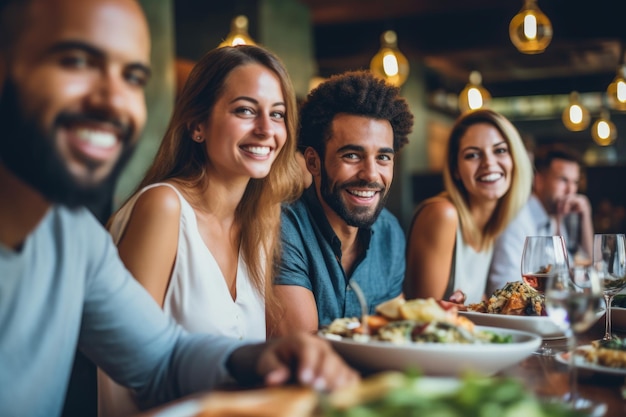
x=264 y=127
x=369 y=170
x=108 y=95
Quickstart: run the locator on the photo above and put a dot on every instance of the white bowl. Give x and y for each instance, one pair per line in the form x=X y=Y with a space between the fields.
x=438 y=359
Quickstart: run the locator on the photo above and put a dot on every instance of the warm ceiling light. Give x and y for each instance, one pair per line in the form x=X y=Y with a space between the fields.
x=603 y=130
x=389 y=63
x=238 y=33
x=617 y=90
x=474 y=95
x=575 y=116
x=530 y=30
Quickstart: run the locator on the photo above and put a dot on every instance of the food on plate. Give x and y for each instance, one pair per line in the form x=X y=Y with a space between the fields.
x=515 y=298
x=413 y=321
x=397 y=394
x=611 y=353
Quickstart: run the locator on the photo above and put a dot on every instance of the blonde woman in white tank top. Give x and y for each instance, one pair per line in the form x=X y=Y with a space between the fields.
x=487 y=177
x=201 y=233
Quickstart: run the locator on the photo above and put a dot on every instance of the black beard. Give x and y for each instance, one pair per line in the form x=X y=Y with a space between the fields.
x=29 y=153
x=359 y=217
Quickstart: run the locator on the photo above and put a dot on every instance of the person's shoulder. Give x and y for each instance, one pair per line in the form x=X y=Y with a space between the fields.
x=160 y=199
x=438 y=208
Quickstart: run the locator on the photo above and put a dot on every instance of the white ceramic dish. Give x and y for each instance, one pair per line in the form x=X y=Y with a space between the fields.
x=541 y=325
x=438 y=359
x=581 y=363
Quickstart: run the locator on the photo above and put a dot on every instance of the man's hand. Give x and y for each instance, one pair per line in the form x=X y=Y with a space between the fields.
x=300 y=357
x=574 y=203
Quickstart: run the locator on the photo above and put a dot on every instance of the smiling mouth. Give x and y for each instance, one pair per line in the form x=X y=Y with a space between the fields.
x=363 y=193
x=96 y=138
x=490 y=177
x=257 y=150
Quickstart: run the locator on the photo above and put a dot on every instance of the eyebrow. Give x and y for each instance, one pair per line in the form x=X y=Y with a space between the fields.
x=477 y=148
x=255 y=101
x=358 y=148
x=70 y=45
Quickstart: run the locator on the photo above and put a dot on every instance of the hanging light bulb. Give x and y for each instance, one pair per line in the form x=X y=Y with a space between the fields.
x=530 y=30
x=238 y=34
x=617 y=90
x=474 y=95
x=603 y=130
x=575 y=116
x=389 y=63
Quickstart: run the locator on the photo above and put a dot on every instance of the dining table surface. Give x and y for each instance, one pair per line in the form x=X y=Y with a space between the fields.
x=543 y=375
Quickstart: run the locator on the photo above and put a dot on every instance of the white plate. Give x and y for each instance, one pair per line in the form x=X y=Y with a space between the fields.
x=581 y=363
x=541 y=325
x=438 y=359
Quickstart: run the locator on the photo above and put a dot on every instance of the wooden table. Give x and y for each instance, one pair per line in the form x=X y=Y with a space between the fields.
x=547 y=377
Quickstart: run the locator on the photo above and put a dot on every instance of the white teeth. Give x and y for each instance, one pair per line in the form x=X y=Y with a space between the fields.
x=364 y=194
x=96 y=138
x=491 y=177
x=257 y=150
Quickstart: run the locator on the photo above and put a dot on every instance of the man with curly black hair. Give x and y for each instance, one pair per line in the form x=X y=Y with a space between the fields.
x=338 y=239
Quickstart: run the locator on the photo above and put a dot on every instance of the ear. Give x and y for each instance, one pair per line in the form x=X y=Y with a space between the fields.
x=313 y=161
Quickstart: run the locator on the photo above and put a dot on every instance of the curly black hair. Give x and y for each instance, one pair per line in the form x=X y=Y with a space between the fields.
x=358 y=93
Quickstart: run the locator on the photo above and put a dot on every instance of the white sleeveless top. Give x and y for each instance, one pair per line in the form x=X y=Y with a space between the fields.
x=197 y=297
x=471 y=269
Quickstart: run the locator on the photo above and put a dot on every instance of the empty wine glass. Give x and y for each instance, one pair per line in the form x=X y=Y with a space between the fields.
x=609 y=259
x=572 y=301
x=542 y=257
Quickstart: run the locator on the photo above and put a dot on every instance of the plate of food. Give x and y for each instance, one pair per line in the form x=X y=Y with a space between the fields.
x=606 y=357
x=516 y=306
x=430 y=339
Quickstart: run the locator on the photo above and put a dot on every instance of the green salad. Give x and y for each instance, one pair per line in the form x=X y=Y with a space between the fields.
x=476 y=396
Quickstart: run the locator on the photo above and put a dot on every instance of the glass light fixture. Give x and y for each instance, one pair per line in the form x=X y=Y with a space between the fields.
x=238 y=34
x=474 y=95
x=389 y=63
x=603 y=130
x=617 y=90
x=575 y=116
x=530 y=30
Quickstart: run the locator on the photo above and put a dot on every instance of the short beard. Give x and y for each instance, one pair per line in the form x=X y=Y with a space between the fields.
x=358 y=217
x=29 y=153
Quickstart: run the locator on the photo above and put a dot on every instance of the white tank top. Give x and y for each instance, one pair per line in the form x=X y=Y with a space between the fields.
x=197 y=297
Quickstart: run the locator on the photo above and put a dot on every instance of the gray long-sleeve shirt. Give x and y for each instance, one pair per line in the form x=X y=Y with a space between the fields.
x=67 y=287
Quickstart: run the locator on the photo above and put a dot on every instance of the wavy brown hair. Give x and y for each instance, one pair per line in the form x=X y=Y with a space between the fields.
x=182 y=159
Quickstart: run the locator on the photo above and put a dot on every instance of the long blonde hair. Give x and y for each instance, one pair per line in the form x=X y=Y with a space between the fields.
x=517 y=194
x=179 y=157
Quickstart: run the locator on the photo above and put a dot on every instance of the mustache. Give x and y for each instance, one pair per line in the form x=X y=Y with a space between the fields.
x=124 y=130
x=363 y=184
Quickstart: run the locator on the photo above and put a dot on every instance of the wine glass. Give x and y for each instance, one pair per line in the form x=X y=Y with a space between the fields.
x=573 y=298
x=541 y=257
x=609 y=259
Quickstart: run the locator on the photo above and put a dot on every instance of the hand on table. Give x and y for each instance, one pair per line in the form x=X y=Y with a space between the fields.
x=304 y=358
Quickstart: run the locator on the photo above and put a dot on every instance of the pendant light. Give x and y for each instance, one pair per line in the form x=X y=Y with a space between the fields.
x=575 y=116
x=474 y=95
x=389 y=63
x=603 y=130
x=238 y=34
x=617 y=90
x=530 y=30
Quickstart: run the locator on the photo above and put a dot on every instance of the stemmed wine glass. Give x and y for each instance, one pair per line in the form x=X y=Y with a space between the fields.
x=542 y=257
x=573 y=297
x=609 y=259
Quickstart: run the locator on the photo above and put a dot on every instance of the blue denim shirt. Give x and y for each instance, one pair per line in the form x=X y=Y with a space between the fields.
x=312 y=259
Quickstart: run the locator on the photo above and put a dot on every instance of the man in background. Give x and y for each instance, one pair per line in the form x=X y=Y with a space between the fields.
x=554 y=208
x=72 y=76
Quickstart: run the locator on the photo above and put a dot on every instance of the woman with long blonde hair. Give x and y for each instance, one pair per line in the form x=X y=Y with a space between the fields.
x=202 y=232
x=487 y=177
